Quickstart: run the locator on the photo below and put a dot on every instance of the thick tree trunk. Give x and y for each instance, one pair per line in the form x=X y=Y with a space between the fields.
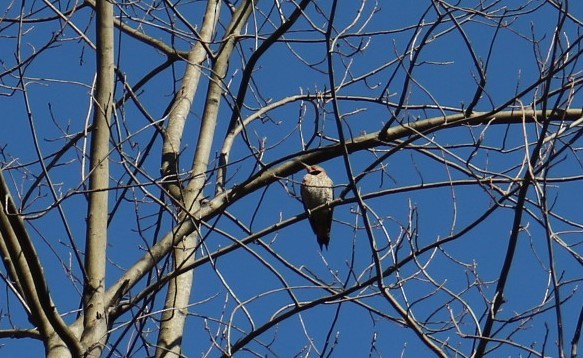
x=179 y=289
x=95 y=323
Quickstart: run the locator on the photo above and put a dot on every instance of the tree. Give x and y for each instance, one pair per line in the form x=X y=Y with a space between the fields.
x=152 y=154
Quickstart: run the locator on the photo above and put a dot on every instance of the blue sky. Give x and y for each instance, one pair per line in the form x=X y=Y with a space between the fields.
x=59 y=83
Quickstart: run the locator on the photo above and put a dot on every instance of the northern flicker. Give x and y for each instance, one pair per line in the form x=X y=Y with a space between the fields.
x=317 y=190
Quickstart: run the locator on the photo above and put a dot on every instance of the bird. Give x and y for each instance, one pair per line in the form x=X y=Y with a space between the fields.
x=316 y=190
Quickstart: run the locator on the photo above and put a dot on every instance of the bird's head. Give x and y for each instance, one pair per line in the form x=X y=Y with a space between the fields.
x=314 y=169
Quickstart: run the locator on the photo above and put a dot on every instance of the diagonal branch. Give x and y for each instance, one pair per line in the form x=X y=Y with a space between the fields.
x=25 y=269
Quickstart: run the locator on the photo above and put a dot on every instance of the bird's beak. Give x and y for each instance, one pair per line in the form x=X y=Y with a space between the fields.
x=305 y=165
